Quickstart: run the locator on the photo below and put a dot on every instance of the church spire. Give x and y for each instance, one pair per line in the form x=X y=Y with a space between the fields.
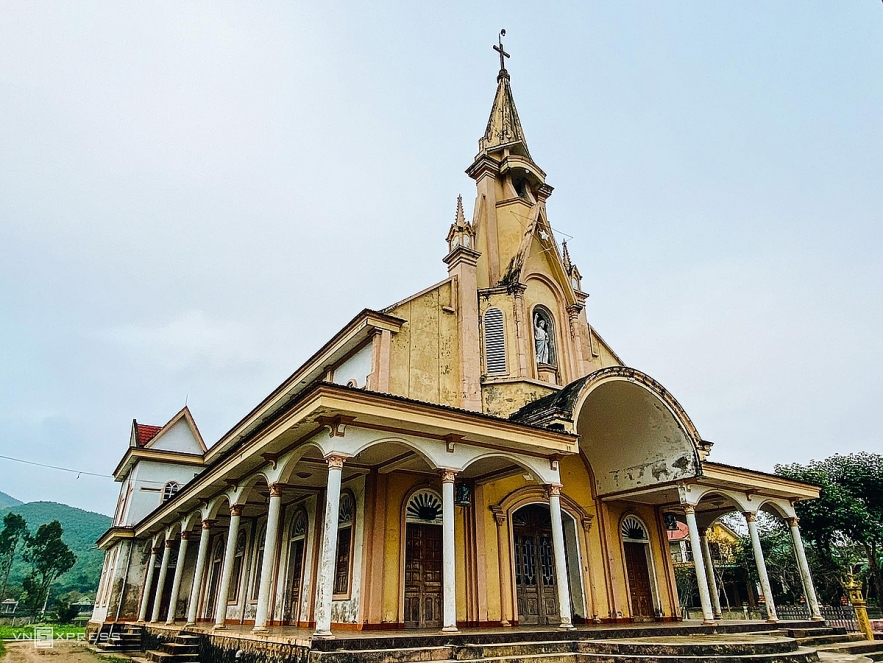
x=503 y=126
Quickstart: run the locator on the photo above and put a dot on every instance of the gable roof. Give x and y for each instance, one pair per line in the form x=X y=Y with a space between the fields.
x=143 y=433
x=184 y=414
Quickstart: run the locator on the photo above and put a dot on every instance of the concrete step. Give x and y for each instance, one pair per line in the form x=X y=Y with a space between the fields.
x=707 y=646
x=165 y=657
x=816 y=641
x=468 y=652
x=415 y=654
x=179 y=648
x=860 y=646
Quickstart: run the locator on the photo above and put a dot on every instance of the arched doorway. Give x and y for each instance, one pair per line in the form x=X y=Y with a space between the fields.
x=639 y=568
x=423 y=560
x=297 y=545
x=214 y=577
x=535 y=589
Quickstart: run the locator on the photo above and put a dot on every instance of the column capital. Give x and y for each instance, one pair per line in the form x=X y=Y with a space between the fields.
x=236 y=509
x=750 y=516
x=208 y=524
x=448 y=476
x=185 y=535
x=553 y=490
x=170 y=543
x=275 y=490
x=335 y=461
x=155 y=550
x=689 y=508
x=792 y=521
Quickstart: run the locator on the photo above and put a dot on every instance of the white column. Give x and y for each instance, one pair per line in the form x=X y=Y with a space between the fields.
x=449 y=551
x=561 y=575
x=161 y=581
x=268 y=562
x=809 y=590
x=199 y=572
x=227 y=572
x=176 y=581
x=709 y=571
x=148 y=579
x=699 y=565
x=325 y=581
x=750 y=517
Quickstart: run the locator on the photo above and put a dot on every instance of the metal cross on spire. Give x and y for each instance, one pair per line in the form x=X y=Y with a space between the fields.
x=499 y=49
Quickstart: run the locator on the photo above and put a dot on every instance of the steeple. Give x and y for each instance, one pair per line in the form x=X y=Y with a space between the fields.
x=503 y=126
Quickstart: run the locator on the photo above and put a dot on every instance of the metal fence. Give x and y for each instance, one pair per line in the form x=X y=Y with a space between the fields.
x=840 y=616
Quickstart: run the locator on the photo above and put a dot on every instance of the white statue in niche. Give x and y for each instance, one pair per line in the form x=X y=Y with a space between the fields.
x=542 y=340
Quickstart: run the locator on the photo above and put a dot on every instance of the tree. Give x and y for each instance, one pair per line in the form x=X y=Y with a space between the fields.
x=848 y=513
x=49 y=557
x=14 y=531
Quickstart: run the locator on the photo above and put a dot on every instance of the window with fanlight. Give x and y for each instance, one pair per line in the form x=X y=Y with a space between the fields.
x=346 y=520
x=170 y=490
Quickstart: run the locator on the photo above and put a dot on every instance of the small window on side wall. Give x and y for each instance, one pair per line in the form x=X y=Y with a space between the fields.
x=170 y=490
x=494 y=342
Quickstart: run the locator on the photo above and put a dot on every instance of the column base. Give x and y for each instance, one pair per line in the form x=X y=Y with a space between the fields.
x=772 y=620
x=259 y=629
x=709 y=622
x=189 y=624
x=450 y=629
x=323 y=635
x=505 y=622
x=219 y=627
x=566 y=627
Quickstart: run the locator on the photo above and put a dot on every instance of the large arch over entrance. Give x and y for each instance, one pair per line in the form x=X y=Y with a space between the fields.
x=632 y=430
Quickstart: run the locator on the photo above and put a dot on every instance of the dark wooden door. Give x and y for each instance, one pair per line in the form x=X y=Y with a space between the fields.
x=295 y=580
x=639 y=580
x=535 y=580
x=423 y=576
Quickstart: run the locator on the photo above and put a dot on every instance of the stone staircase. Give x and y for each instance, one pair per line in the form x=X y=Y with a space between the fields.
x=118 y=638
x=836 y=641
x=184 y=649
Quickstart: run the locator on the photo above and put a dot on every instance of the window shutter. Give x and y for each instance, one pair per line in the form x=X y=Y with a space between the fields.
x=494 y=341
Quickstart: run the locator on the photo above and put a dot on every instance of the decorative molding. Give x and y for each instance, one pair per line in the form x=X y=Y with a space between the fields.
x=448 y=476
x=185 y=536
x=275 y=490
x=170 y=543
x=750 y=516
x=336 y=425
x=499 y=514
x=587 y=522
x=553 y=490
x=208 y=524
x=236 y=509
x=689 y=508
x=451 y=440
x=792 y=521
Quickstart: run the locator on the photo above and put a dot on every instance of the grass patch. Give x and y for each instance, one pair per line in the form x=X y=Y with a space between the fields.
x=60 y=631
x=2 y=649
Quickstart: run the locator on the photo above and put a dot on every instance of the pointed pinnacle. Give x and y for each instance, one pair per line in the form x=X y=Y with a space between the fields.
x=460 y=217
x=565 y=256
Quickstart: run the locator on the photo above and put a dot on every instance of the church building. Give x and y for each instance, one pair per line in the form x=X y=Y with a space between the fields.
x=473 y=455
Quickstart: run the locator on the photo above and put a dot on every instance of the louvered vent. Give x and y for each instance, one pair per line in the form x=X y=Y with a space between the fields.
x=494 y=341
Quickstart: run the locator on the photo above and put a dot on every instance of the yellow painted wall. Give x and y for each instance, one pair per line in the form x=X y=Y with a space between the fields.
x=424 y=357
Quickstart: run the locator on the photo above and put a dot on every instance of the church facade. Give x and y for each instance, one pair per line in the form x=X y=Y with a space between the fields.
x=474 y=455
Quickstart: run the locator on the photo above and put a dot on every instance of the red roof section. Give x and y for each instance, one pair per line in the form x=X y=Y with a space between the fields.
x=680 y=533
x=145 y=433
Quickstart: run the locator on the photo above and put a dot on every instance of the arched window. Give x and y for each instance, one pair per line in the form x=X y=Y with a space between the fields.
x=424 y=508
x=632 y=529
x=345 y=522
x=238 y=558
x=545 y=352
x=258 y=563
x=214 y=571
x=494 y=342
x=170 y=490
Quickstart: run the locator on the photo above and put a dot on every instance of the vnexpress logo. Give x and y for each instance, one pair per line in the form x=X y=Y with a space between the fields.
x=43 y=637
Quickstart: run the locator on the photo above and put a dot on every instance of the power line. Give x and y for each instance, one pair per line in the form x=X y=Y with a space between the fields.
x=56 y=467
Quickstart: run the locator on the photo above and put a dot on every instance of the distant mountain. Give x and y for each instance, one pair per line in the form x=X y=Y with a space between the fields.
x=8 y=500
x=81 y=529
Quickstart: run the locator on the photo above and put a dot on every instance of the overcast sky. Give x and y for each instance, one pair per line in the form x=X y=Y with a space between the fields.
x=195 y=196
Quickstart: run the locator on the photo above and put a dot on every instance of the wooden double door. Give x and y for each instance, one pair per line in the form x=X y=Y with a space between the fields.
x=535 y=579
x=423 y=576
